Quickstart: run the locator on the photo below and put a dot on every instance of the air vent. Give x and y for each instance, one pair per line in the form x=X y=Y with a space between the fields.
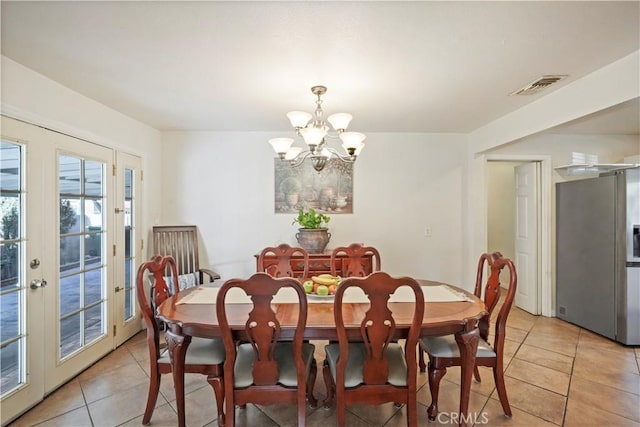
x=539 y=84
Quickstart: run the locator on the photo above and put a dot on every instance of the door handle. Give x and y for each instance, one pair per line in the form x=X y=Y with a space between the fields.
x=38 y=283
x=118 y=289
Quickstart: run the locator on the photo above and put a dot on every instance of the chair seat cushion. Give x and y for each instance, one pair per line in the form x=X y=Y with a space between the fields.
x=201 y=351
x=355 y=364
x=447 y=346
x=243 y=376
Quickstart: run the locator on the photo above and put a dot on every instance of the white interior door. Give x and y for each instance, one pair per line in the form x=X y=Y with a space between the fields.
x=527 y=232
x=128 y=246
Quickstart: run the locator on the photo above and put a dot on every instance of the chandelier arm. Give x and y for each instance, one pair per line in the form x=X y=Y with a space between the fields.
x=297 y=161
x=346 y=159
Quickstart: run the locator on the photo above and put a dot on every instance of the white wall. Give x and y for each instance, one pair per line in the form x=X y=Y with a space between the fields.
x=34 y=98
x=223 y=182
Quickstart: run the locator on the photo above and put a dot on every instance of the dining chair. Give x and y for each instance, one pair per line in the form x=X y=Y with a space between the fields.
x=260 y=367
x=283 y=254
x=356 y=254
x=204 y=356
x=443 y=351
x=370 y=366
x=181 y=242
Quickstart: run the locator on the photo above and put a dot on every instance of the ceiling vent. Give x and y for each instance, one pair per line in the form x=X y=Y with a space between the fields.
x=539 y=84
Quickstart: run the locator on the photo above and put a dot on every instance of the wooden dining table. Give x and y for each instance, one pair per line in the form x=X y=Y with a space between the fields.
x=459 y=318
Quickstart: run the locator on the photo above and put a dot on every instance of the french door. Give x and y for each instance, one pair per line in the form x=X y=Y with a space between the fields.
x=128 y=246
x=60 y=262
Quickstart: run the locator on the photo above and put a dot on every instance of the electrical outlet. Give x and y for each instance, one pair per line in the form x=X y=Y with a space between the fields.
x=427 y=231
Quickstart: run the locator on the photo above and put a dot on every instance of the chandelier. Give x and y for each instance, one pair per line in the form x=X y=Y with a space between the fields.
x=314 y=130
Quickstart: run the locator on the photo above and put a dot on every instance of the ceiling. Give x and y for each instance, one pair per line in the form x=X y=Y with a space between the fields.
x=396 y=66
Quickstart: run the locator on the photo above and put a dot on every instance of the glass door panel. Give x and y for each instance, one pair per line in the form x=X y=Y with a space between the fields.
x=12 y=287
x=21 y=306
x=82 y=291
x=128 y=245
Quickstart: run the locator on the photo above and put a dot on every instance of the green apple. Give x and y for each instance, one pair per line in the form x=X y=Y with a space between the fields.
x=308 y=286
x=322 y=290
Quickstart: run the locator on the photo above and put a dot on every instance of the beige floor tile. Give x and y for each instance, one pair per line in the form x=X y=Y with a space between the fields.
x=581 y=414
x=590 y=339
x=192 y=382
x=538 y=375
x=327 y=417
x=78 y=417
x=113 y=381
x=249 y=416
x=520 y=319
x=140 y=351
x=605 y=398
x=609 y=359
x=449 y=398
x=553 y=325
x=514 y=334
x=536 y=401
x=121 y=407
x=553 y=342
x=65 y=399
x=484 y=387
x=510 y=347
x=284 y=414
x=163 y=416
x=550 y=359
x=606 y=374
x=399 y=419
x=114 y=360
x=375 y=414
x=492 y=415
x=200 y=407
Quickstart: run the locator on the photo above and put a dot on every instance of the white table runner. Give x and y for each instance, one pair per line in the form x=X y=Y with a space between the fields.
x=439 y=293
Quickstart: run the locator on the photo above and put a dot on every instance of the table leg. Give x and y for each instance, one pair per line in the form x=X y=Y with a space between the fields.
x=177 y=345
x=468 y=344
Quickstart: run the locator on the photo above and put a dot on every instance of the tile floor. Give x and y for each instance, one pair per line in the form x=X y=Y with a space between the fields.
x=557 y=374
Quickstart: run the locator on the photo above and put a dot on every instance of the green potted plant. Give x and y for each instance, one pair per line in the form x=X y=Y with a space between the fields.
x=313 y=236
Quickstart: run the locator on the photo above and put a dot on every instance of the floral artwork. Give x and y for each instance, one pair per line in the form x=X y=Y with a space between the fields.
x=327 y=191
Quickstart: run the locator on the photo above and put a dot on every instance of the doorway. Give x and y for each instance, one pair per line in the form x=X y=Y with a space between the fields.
x=523 y=232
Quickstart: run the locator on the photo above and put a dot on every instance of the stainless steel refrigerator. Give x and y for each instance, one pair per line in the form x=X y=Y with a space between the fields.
x=598 y=254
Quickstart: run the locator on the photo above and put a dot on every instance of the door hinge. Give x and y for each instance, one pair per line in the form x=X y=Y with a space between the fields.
x=141 y=244
x=114 y=170
x=141 y=175
x=114 y=250
x=114 y=330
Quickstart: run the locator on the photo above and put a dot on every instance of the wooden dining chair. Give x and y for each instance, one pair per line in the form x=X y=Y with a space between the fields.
x=443 y=351
x=356 y=254
x=260 y=367
x=371 y=366
x=204 y=356
x=283 y=254
x=181 y=242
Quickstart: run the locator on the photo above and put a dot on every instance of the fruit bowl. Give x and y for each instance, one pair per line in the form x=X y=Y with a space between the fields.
x=317 y=297
x=322 y=287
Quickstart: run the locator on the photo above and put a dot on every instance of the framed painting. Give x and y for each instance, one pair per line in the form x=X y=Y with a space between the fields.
x=327 y=191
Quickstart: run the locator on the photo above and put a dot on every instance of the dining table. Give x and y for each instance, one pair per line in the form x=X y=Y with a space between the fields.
x=449 y=310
